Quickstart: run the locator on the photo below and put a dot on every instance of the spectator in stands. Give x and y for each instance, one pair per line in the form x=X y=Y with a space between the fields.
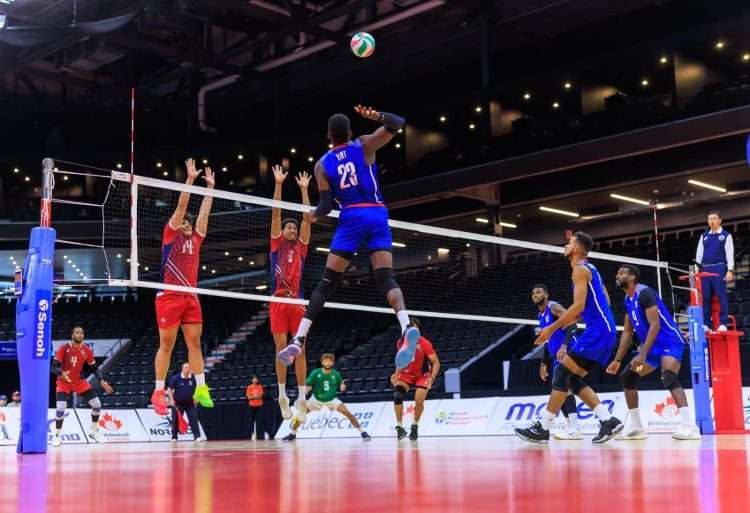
x=254 y=395
x=3 y=400
x=180 y=391
x=715 y=254
x=15 y=400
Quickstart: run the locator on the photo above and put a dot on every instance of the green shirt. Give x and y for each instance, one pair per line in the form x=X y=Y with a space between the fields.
x=325 y=385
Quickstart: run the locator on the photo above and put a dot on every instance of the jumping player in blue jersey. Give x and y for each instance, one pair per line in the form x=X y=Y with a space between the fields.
x=662 y=345
x=555 y=350
x=593 y=347
x=348 y=176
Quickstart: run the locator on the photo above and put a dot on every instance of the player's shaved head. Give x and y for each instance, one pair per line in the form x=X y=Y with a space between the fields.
x=339 y=128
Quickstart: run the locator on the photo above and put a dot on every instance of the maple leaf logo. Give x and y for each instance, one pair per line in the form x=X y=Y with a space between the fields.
x=666 y=409
x=410 y=409
x=109 y=422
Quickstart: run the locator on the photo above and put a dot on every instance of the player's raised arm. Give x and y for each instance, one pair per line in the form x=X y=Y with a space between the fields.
x=182 y=203
x=325 y=203
x=383 y=135
x=581 y=277
x=279 y=176
x=303 y=181
x=201 y=224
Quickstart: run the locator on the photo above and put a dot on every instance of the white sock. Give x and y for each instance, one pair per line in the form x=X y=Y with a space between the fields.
x=403 y=319
x=361 y=429
x=400 y=425
x=94 y=426
x=57 y=432
x=635 y=419
x=602 y=412
x=200 y=379
x=282 y=389
x=302 y=391
x=573 y=421
x=547 y=419
x=160 y=384
x=304 y=327
x=687 y=419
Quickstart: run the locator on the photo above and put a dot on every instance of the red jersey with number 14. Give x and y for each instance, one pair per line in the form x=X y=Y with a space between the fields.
x=72 y=360
x=420 y=364
x=287 y=263
x=180 y=258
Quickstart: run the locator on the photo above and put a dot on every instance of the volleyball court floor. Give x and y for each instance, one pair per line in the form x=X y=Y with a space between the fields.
x=467 y=474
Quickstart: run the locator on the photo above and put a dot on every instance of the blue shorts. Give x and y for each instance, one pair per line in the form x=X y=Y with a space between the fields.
x=363 y=225
x=674 y=349
x=596 y=343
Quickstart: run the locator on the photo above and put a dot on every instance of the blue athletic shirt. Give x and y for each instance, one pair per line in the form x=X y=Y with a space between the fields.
x=644 y=298
x=352 y=180
x=597 y=312
x=558 y=337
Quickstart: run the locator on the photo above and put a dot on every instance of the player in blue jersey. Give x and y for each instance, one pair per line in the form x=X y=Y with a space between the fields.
x=662 y=345
x=348 y=176
x=593 y=347
x=554 y=351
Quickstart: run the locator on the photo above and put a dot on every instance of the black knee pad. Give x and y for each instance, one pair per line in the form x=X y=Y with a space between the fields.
x=328 y=284
x=670 y=380
x=629 y=379
x=577 y=383
x=561 y=381
x=384 y=279
x=399 y=394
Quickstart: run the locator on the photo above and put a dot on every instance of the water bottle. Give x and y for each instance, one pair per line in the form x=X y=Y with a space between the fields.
x=18 y=282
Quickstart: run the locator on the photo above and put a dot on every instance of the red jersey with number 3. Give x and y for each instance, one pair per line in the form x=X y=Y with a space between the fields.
x=72 y=360
x=287 y=263
x=420 y=364
x=180 y=258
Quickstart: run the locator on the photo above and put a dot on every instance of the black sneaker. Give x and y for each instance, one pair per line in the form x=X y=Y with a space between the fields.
x=414 y=434
x=400 y=432
x=365 y=436
x=535 y=434
x=607 y=430
x=291 y=437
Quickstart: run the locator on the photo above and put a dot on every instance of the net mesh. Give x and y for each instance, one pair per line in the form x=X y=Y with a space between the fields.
x=444 y=273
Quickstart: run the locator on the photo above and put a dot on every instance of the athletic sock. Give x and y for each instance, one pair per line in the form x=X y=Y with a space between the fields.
x=602 y=412
x=547 y=419
x=282 y=389
x=95 y=425
x=302 y=391
x=304 y=327
x=58 y=431
x=687 y=419
x=635 y=418
x=361 y=429
x=160 y=384
x=200 y=379
x=403 y=319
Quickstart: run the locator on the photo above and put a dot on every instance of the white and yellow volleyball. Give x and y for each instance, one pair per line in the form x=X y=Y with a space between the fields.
x=362 y=44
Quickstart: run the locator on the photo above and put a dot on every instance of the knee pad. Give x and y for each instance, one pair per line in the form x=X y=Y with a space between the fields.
x=561 y=381
x=577 y=383
x=61 y=407
x=328 y=284
x=399 y=394
x=670 y=380
x=384 y=279
x=96 y=406
x=629 y=379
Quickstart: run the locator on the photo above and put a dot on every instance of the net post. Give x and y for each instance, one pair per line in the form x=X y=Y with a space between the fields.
x=699 y=363
x=133 y=228
x=48 y=183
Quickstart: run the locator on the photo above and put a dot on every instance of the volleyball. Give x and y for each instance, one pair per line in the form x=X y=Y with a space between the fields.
x=362 y=44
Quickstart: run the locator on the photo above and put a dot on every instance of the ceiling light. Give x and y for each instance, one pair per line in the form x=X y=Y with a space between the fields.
x=240 y=156
x=746 y=57
x=119 y=166
x=400 y=130
x=468 y=245
x=293 y=150
x=720 y=45
x=527 y=96
x=707 y=185
x=310 y=159
x=26 y=179
x=398 y=145
x=224 y=169
x=205 y=161
x=322 y=249
x=330 y=146
x=65 y=178
x=664 y=59
x=508 y=225
x=558 y=211
x=158 y=164
x=567 y=85
x=483 y=220
x=213 y=271
x=226 y=253
x=556 y=105
x=443 y=119
x=261 y=287
x=644 y=82
x=398 y=244
x=630 y=199
x=165 y=173
x=145 y=268
x=443 y=251
x=478 y=109
x=16 y=170
x=472 y=126
x=240 y=258
x=203 y=267
x=119 y=255
x=252 y=262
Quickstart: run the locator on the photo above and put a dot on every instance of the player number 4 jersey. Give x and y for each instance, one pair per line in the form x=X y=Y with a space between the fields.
x=73 y=358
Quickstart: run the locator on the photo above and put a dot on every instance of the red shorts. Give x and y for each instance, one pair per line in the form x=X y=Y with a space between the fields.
x=80 y=387
x=413 y=380
x=285 y=318
x=175 y=309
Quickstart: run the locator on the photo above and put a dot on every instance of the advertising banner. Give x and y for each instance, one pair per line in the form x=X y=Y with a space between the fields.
x=117 y=425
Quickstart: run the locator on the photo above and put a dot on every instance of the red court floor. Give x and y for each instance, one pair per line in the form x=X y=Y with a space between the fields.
x=471 y=474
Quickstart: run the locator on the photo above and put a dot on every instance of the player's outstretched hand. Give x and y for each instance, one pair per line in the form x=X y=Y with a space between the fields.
x=107 y=387
x=303 y=179
x=543 y=336
x=210 y=178
x=367 y=112
x=278 y=174
x=192 y=172
x=613 y=367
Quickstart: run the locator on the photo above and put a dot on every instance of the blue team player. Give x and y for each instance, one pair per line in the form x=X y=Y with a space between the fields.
x=554 y=351
x=662 y=346
x=593 y=347
x=348 y=175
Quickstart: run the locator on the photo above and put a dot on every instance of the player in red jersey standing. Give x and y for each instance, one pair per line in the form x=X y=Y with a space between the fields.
x=421 y=374
x=181 y=245
x=289 y=246
x=67 y=365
